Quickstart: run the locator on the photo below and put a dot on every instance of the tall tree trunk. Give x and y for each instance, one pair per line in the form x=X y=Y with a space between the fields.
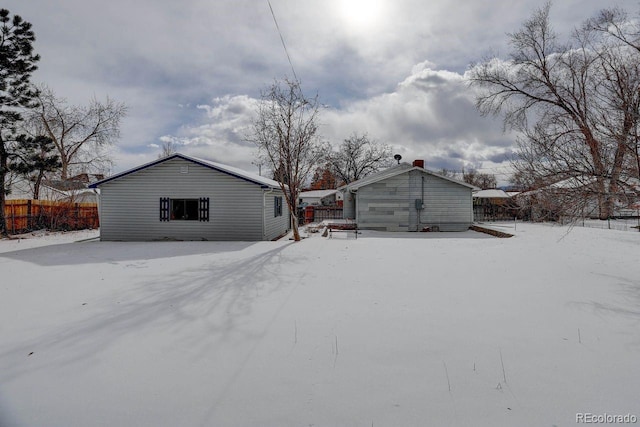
x=293 y=207
x=3 y=174
x=603 y=198
x=294 y=227
x=64 y=170
x=36 y=185
x=602 y=189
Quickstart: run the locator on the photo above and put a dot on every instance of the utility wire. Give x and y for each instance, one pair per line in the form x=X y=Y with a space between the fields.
x=282 y=40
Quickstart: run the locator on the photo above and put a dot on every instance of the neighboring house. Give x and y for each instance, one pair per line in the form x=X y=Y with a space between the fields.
x=409 y=198
x=72 y=190
x=493 y=204
x=86 y=195
x=22 y=189
x=577 y=197
x=318 y=198
x=185 y=198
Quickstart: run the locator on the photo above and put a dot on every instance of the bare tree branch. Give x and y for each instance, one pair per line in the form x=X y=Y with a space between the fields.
x=576 y=105
x=83 y=134
x=358 y=157
x=286 y=134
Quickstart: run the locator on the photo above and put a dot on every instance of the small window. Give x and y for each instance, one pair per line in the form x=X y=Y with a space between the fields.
x=277 y=206
x=184 y=209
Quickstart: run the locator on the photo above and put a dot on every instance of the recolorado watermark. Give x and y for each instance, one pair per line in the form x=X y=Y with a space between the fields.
x=589 y=418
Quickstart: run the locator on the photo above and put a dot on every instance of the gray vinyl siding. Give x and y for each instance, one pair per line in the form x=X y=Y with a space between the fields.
x=275 y=225
x=390 y=204
x=130 y=205
x=447 y=205
x=384 y=205
x=348 y=205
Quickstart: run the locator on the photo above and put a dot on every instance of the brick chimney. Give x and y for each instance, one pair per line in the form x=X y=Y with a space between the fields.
x=419 y=163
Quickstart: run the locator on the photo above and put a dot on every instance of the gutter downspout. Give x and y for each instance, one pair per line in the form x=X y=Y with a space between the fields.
x=421 y=205
x=355 y=206
x=97 y=193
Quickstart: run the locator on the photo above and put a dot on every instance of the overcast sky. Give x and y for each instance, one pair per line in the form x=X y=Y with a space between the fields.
x=191 y=70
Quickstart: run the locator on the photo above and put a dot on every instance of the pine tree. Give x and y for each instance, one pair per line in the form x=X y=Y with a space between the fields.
x=37 y=156
x=17 y=62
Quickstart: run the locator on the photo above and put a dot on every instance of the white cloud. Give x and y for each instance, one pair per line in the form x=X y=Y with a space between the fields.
x=220 y=133
x=163 y=57
x=430 y=115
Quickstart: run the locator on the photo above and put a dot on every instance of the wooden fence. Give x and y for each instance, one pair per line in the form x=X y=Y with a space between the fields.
x=27 y=215
x=320 y=213
x=311 y=214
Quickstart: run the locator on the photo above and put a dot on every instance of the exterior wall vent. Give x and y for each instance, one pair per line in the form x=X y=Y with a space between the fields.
x=184 y=169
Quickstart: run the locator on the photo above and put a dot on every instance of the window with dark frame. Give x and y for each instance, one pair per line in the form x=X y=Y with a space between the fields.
x=277 y=206
x=184 y=209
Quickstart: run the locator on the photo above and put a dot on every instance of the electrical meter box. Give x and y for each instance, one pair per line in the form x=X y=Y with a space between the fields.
x=419 y=205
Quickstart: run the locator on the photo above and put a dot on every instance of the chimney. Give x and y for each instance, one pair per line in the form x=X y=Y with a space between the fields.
x=419 y=163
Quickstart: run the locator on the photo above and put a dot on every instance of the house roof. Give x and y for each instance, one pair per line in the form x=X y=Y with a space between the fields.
x=628 y=185
x=229 y=170
x=398 y=170
x=493 y=193
x=318 y=193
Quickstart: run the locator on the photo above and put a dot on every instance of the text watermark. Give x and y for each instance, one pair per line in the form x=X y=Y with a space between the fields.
x=589 y=418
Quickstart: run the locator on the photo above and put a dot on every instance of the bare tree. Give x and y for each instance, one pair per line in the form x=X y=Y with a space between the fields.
x=286 y=134
x=358 y=157
x=167 y=149
x=449 y=173
x=82 y=135
x=616 y=24
x=481 y=180
x=575 y=105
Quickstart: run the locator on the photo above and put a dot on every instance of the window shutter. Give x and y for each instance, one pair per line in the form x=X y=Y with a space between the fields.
x=164 y=209
x=204 y=209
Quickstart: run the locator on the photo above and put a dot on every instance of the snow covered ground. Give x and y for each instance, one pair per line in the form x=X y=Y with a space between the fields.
x=391 y=329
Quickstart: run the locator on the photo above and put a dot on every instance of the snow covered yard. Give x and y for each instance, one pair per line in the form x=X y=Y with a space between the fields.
x=391 y=329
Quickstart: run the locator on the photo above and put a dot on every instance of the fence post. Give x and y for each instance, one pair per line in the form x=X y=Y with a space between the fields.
x=13 y=218
x=29 y=216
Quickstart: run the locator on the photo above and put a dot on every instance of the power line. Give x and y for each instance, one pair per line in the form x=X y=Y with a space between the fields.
x=282 y=40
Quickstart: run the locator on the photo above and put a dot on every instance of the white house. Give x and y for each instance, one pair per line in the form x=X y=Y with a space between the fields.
x=318 y=198
x=185 y=198
x=409 y=198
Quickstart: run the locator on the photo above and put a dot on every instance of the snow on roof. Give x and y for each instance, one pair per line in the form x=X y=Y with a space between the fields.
x=238 y=172
x=493 y=193
x=247 y=176
x=392 y=171
x=318 y=193
x=573 y=182
x=397 y=170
